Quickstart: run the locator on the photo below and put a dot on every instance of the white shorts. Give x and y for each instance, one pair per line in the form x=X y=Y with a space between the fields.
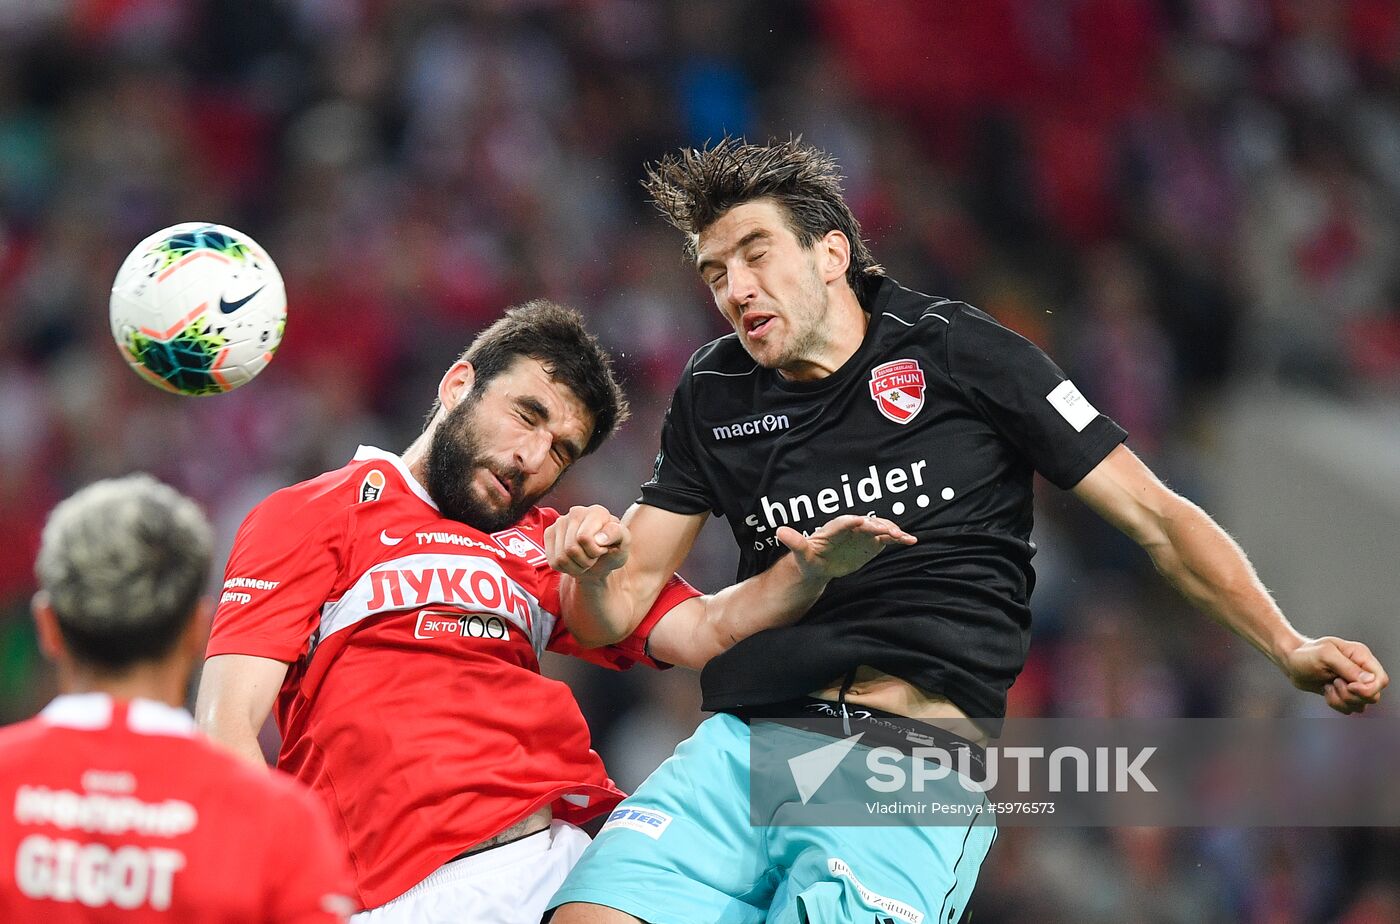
x=509 y=884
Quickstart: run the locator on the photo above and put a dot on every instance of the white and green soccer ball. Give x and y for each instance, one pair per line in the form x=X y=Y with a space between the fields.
x=198 y=309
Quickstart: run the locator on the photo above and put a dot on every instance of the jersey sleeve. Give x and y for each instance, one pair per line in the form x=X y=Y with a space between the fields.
x=283 y=567
x=677 y=482
x=633 y=649
x=311 y=878
x=1026 y=397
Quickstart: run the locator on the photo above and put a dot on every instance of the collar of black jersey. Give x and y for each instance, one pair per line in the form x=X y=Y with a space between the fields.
x=875 y=306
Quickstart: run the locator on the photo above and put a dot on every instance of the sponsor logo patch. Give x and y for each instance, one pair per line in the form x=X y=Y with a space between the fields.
x=442 y=538
x=236 y=589
x=455 y=584
x=648 y=821
x=768 y=423
x=839 y=867
x=439 y=624
x=897 y=388
x=520 y=545
x=1072 y=406
x=254 y=583
x=373 y=485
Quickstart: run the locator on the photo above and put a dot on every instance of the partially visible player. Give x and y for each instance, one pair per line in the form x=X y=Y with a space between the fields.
x=394 y=611
x=115 y=809
x=871 y=397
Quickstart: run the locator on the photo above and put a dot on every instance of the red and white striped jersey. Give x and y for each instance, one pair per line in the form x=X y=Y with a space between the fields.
x=414 y=704
x=120 y=812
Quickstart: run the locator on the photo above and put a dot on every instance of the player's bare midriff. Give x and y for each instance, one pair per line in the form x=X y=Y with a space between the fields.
x=878 y=690
x=528 y=825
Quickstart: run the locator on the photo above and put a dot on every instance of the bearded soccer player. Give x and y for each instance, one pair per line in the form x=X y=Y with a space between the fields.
x=122 y=813
x=841 y=391
x=395 y=611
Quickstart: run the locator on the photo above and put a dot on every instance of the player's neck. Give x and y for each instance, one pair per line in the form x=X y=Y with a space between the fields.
x=161 y=681
x=846 y=324
x=415 y=457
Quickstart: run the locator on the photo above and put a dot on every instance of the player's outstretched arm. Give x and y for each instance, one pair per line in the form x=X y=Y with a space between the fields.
x=695 y=631
x=236 y=693
x=1211 y=571
x=615 y=569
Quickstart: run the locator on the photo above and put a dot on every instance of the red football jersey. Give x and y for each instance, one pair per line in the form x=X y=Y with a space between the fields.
x=414 y=703
x=122 y=813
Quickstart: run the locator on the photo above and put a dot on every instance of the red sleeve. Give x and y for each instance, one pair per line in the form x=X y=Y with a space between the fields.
x=283 y=567
x=633 y=649
x=311 y=879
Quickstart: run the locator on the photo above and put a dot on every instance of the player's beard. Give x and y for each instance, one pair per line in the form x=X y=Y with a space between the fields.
x=455 y=457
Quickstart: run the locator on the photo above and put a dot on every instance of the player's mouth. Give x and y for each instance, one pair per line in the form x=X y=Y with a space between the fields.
x=499 y=486
x=757 y=324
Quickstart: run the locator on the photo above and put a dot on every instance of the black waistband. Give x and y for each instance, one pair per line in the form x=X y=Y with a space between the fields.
x=877 y=727
x=482 y=848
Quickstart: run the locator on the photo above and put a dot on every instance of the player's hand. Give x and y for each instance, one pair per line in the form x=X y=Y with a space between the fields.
x=1345 y=673
x=587 y=543
x=842 y=545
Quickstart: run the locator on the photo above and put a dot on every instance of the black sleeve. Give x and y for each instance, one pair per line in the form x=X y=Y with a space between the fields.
x=677 y=482
x=1026 y=397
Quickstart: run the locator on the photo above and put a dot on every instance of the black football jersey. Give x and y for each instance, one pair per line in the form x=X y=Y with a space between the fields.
x=938 y=423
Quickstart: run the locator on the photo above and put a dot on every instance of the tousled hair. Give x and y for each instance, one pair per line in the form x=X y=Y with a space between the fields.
x=123 y=562
x=555 y=336
x=693 y=187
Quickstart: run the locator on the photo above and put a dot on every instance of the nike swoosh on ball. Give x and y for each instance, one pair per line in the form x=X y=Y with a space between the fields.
x=228 y=307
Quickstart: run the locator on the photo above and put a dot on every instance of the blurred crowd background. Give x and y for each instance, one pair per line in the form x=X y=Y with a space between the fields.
x=1180 y=200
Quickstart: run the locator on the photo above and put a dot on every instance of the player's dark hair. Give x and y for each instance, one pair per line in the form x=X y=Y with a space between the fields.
x=695 y=186
x=123 y=563
x=555 y=336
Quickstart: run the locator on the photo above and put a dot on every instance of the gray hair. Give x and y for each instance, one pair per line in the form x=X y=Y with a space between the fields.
x=123 y=562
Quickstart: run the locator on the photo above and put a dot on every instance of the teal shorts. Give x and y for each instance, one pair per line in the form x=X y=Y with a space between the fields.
x=684 y=850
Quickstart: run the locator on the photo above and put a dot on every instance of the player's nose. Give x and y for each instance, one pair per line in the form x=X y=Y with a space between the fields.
x=741 y=287
x=531 y=454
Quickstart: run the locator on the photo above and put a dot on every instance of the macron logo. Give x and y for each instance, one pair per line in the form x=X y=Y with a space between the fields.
x=768 y=423
x=811 y=770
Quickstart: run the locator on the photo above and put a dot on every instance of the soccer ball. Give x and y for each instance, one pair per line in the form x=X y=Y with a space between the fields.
x=198 y=309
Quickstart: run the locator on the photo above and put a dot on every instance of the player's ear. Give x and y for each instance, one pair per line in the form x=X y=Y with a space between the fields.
x=833 y=256
x=456 y=383
x=46 y=627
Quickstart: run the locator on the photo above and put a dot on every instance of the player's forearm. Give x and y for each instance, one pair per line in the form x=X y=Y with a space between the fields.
x=778 y=596
x=236 y=693
x=600 y=612
x=1211 y=570
x=234 y=735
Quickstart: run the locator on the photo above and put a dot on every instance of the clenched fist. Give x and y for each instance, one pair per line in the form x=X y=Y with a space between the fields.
x=588 y=543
